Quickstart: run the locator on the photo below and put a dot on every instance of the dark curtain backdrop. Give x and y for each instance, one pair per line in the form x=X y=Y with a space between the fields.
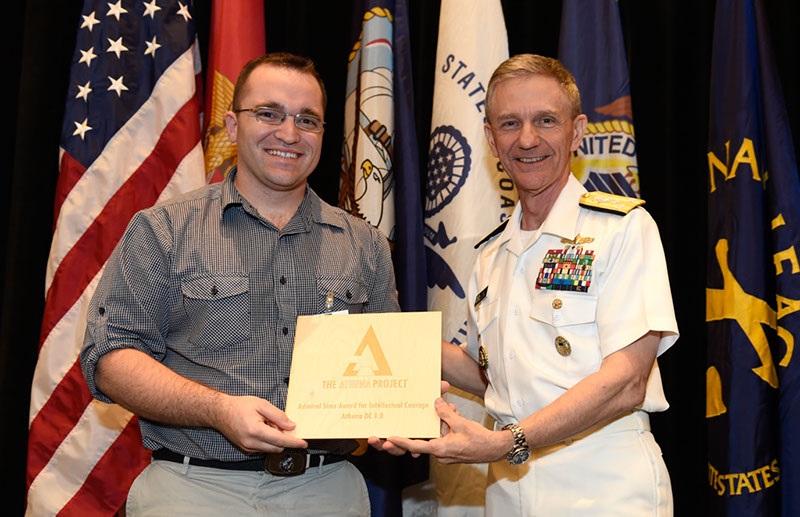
x=668 y=43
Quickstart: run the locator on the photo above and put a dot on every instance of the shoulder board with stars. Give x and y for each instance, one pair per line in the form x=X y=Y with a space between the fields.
x=610 y=202
x=496 y=231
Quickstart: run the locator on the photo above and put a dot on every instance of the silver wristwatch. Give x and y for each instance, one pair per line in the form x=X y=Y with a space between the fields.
x=520 y=453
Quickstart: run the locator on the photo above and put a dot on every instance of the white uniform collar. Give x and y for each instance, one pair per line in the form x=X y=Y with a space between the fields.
x=561 y=221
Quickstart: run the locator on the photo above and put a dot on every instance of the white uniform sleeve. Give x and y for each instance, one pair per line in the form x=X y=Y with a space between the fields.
x=634 y=296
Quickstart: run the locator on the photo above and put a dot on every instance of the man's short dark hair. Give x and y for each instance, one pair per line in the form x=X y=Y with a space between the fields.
x=280 y=60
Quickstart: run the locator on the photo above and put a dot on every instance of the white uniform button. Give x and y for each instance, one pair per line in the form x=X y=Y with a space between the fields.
x=515 y=312
x=520 y=403
x=556 y=316
x=511 y=354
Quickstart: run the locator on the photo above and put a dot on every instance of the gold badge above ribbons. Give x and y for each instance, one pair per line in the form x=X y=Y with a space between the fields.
x=563 y=347
x=483 y=358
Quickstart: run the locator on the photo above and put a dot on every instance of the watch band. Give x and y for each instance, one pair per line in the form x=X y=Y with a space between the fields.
x=520 y=452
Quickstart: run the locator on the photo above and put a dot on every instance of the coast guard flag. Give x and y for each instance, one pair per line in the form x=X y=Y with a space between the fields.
x=130 y=137
x=380 y=183
x=467 y=195
x=591 y=47
x=753 y=286
x=237 y=36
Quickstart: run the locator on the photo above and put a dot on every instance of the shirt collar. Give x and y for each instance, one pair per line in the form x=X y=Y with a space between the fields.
x=311 y=210
x=229 y=195
x=563 y=217
x=560 y=222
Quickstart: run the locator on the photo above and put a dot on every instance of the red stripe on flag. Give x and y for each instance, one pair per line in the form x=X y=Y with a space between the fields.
x=118 y=467
x=87 y=256
x=56 y=419
x=69 y=172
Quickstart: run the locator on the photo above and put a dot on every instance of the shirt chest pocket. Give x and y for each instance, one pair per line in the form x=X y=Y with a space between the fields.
x=341 y=294
x=218 y=308
x=565 y=309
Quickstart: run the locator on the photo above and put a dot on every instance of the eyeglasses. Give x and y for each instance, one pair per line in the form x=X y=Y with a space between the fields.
x=275 y=117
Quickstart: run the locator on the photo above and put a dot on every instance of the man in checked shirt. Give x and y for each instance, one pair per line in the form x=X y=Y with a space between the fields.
x=193 y=323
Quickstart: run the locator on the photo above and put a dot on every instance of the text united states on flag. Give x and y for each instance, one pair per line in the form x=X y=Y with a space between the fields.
x=130 y=138
x=752 y=287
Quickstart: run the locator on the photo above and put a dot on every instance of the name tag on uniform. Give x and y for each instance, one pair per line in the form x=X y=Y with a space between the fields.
x=481 y=296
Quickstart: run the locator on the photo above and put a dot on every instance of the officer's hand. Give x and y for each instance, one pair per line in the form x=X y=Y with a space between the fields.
x=462 y=440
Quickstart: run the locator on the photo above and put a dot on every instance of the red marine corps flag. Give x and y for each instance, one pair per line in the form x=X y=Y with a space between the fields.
x=237 y=36
x=130 y=137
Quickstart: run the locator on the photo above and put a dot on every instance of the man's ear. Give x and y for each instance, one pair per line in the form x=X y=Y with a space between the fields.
x=231 y=125
x=579 y=128
x=487 y=130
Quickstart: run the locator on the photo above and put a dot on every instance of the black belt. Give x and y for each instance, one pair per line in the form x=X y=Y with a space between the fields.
x=286 y=463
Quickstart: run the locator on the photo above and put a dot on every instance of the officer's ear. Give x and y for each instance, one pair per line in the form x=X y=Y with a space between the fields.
x=579 y=129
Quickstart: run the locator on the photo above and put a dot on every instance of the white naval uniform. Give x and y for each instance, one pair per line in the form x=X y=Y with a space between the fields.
x=615 y=469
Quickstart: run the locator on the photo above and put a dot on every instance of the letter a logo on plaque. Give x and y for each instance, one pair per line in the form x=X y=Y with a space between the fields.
x=362 y=365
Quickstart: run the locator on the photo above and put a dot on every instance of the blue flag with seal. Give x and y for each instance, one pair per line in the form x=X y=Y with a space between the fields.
x=753 y=285
x=380 y=182
x=591 y=47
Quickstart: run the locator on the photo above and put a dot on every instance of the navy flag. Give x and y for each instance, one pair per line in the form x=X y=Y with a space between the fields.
x=380 y=182
x=753 y=286
x=380 y=165
x=409 y=251
x=591 y=47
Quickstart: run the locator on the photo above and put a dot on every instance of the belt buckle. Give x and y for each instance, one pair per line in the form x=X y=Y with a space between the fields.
x=286 y=463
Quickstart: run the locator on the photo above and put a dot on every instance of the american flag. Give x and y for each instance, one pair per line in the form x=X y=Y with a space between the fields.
x=130 y=137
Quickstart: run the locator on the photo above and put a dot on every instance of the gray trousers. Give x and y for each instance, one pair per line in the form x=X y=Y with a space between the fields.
x=172 y=489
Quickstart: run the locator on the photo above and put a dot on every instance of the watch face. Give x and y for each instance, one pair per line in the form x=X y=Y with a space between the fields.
x=520 y=457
